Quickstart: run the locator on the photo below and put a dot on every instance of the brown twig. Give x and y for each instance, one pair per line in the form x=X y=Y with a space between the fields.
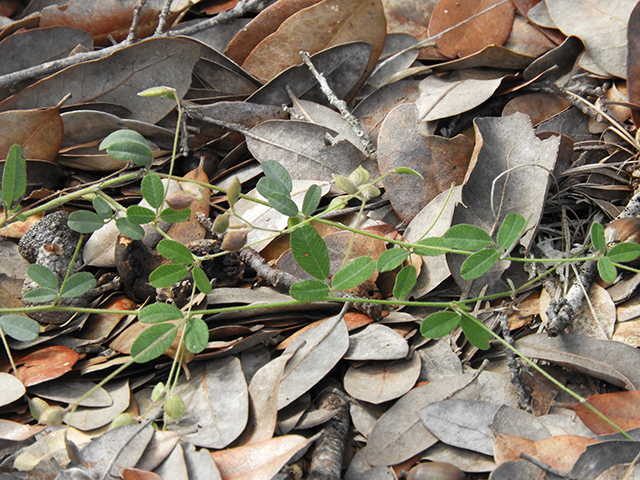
x=327 y=457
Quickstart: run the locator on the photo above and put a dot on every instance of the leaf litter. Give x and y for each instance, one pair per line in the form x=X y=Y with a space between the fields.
x=494 y=111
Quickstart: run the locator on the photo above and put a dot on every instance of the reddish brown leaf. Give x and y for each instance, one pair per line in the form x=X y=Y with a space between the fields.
x=491 y=28
x=262 y=26
x=105 y=18
x=559 y=452
x=539 y=106
x=39 y=132
x=622 y=408
x=321 y=26
x=259 y=461
x=46 y=364
x=633 y=62
x=137 y=474
x=441 y=161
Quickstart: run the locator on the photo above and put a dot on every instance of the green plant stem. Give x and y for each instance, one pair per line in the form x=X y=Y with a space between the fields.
x=537 y=368
x=93 y=189
x=69 y=269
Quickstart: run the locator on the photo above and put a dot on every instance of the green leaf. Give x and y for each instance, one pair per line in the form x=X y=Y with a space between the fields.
x=174 y=251
x=356 y=272
x=607 y=270
x=196 y=335
x=131 y=152
x=312 y=198
x=174 y=407
x=405 y=281
x=597 y=238
x=14 y=175
x=128 y=145
x=175 y=216
x=477 y=334
x=310 y=251
x=430 y=242
x=624 y=252
x=83 y=221
x=78 y=284
x=124 y=135
x=439 y=324
x=152 y=190
x=102 y=208
x=167 y=275
x=511 y=230
x=153 y=342
x=159 y=312
x=40 y=295
x=479 y=263
x=466 y=237
x=283 y=204
x=201 y=280
x=310 y=290
x=267 y=186
x=391 y=259
x=273 y=169
x=43 y=276
x=140 y=215
x=128 y=229
x=23 y=329
x=408 y=171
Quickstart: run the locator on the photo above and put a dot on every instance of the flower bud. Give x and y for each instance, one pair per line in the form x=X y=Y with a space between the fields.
x=174 y=407
x=359 y=176
x=234 y=241
x=37 y=406
x=52 y=415
x=371 y=191
x=125 y=418
x=345 y=184
x=221 y=223
x=233 y=192
x=179 y=200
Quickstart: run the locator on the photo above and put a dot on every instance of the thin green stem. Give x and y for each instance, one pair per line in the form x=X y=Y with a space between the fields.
x=537 y=368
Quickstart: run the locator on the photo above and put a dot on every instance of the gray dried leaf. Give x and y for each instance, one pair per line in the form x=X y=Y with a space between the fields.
x=318 y=350
x=461 y=423
x=128 y=443
x=216 y=403
x=90 y=418
x=376 y=383
x=377 y=342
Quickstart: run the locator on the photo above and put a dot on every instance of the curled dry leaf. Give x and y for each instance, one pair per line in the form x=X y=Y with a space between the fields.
x=602 y=28
x=323 y=25
x=266 y=23
x=442 y=162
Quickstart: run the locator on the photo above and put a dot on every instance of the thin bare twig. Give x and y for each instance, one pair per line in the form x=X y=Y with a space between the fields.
x=162 y=18
x=524 y=396
x=49 y=68
x=133 y=29
x=341 y=105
